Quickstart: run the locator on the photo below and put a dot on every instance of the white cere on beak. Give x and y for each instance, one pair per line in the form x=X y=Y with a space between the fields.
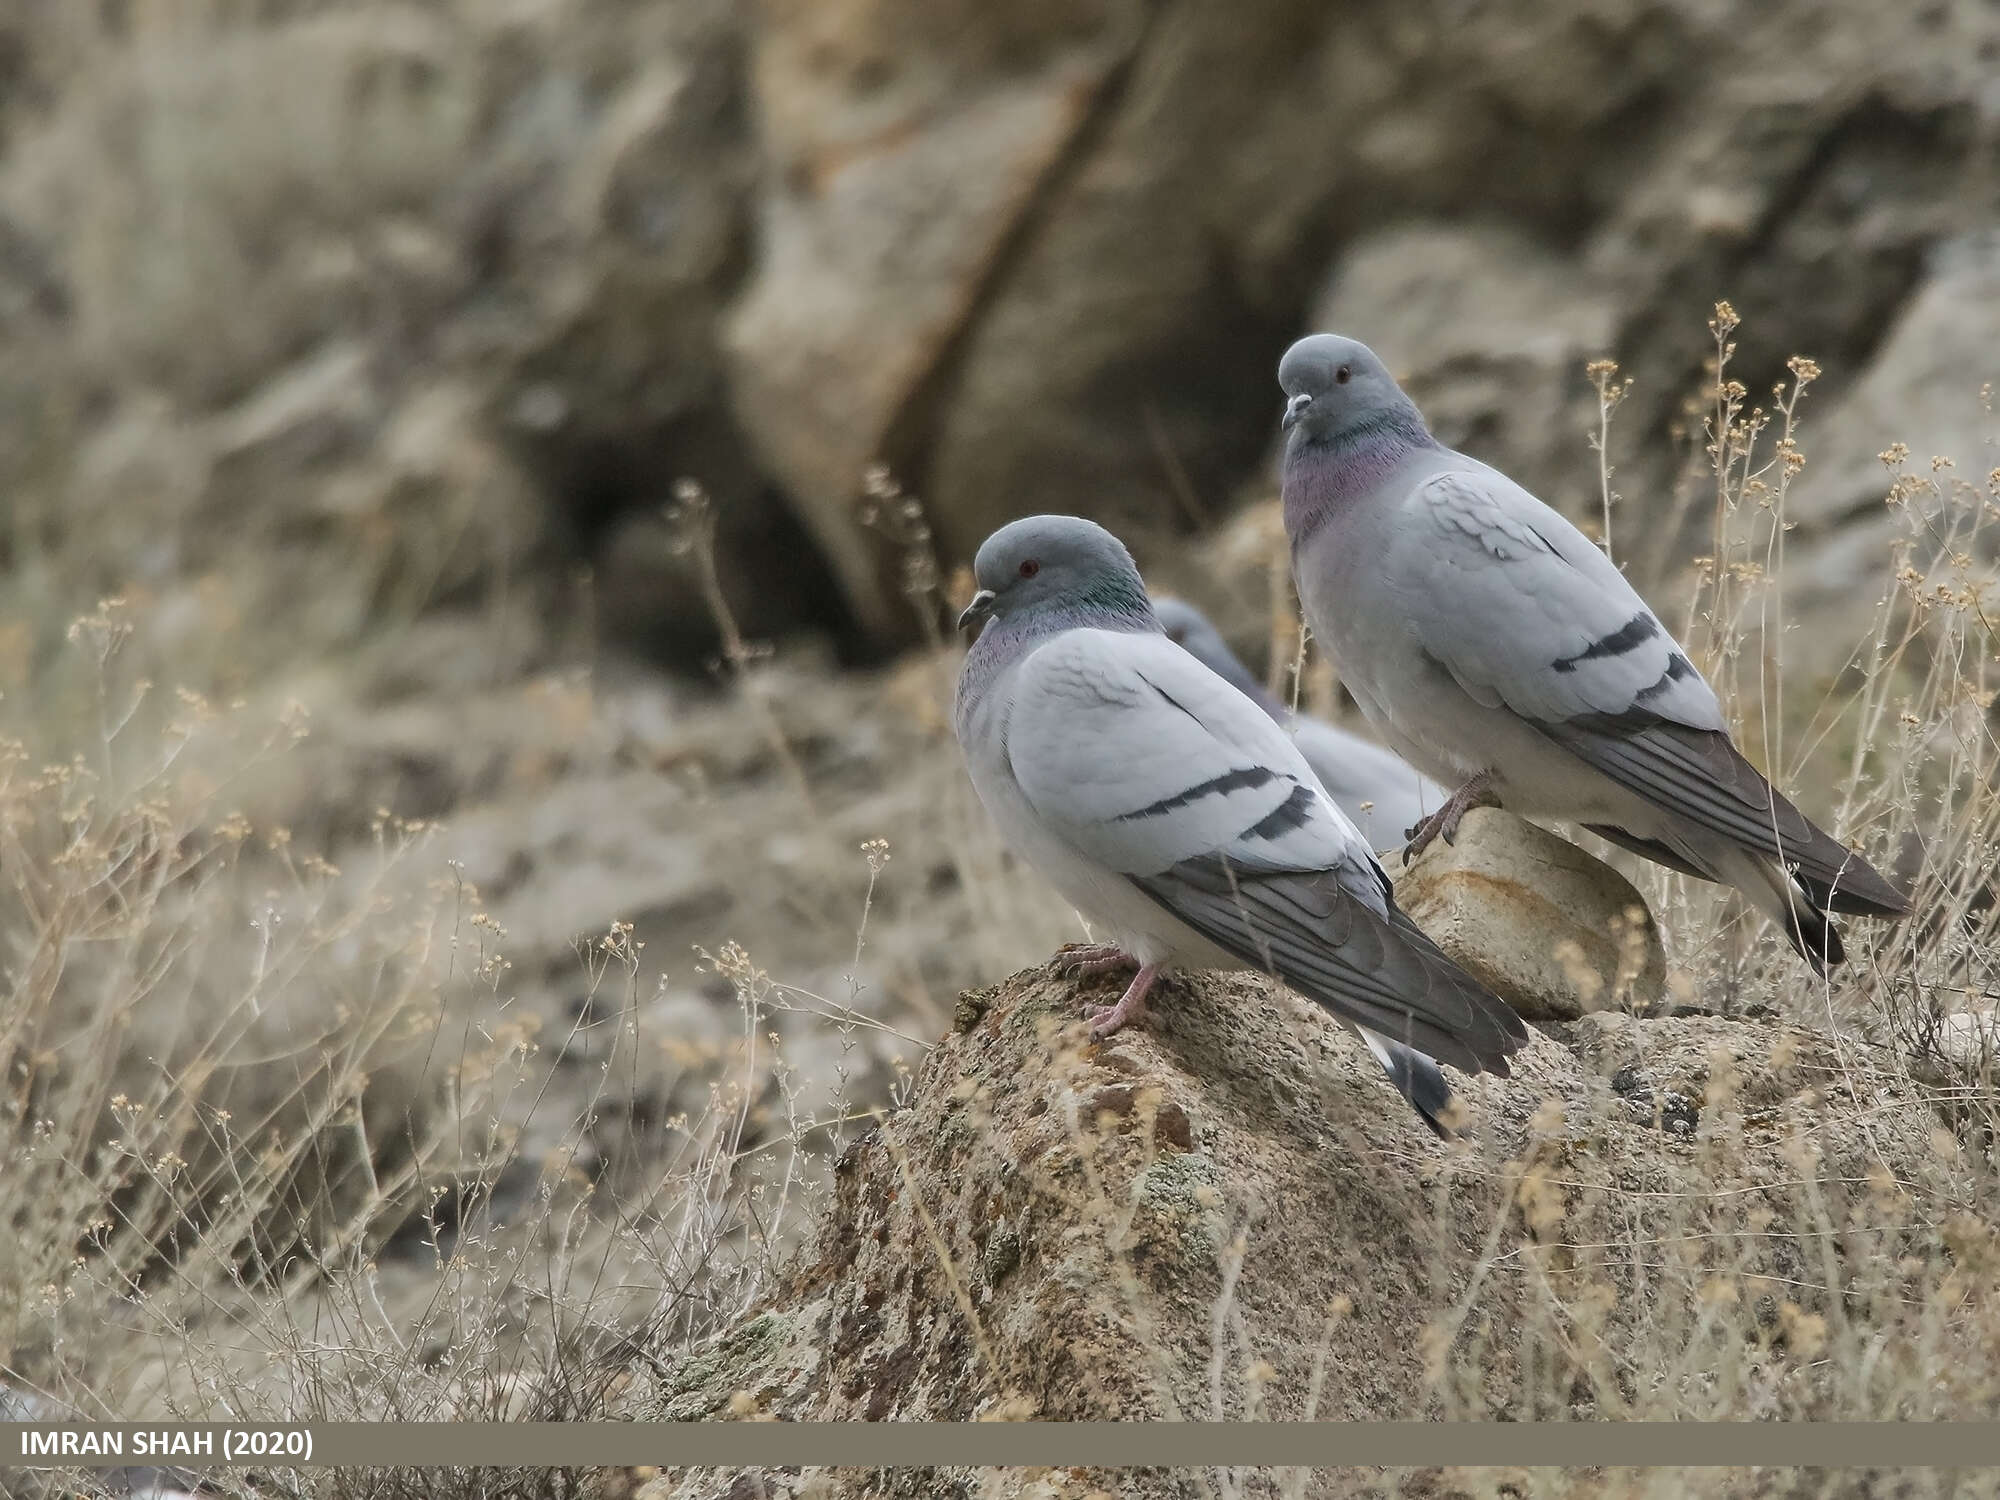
x=980 y=607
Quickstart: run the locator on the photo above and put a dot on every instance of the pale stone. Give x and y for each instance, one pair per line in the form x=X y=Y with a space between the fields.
x=1553 y=931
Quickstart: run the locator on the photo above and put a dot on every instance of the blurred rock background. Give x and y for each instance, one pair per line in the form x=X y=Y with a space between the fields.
x=458 y=290
x=360 y=347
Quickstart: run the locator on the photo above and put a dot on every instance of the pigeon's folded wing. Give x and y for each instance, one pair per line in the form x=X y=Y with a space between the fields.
x=1141 y=757
x=1148 y=764
x=1526 y=613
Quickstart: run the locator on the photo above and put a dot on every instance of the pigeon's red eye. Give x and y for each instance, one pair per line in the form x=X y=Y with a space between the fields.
x=1030 y=568
x=1343 y=375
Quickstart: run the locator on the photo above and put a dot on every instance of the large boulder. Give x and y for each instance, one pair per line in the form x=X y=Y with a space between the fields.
x=906 y=145
x=1233 y=1215
x=386 y=300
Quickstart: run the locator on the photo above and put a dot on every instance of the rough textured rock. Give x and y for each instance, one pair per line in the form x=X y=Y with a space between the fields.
x=1040 y=256
x=1923 y=389
x=1149 y=313
x=240 y=231
x=519 y=223
x=906 y=145
x=1189 y=1221
x=1547 y=927
x=1126 y=377
x=1929 y=387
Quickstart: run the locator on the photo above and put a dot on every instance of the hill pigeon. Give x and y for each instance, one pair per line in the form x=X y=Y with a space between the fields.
x=1170 y=809
x=1500 y=651
x=1381 y=793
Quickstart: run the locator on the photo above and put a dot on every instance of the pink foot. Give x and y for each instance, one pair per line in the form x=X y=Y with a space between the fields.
x=1082 y=959
x=1477 y=792
x=1107 y=1020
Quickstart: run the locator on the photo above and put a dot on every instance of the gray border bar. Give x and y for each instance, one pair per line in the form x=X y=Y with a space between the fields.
x=1089 y=1444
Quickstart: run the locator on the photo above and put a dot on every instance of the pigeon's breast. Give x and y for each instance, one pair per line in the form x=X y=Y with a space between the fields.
x=1349 y=600
x=1349 y=589
x=1116 y=908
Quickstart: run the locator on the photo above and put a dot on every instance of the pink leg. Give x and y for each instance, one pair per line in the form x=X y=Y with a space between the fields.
x=1105 y=1020
x=1093 y=958
x=1477 y=792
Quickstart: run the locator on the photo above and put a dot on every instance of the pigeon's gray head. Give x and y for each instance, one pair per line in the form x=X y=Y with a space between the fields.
x=1190 y=629
x=1055 y=563
x=1337 y=389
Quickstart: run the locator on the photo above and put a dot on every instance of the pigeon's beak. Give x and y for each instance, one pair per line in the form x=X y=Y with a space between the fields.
x=1294 y=409
x=980 y=607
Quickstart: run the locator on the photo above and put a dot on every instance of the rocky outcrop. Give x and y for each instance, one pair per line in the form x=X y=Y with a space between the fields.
x=1119 y=362
x=421 y=299
x=906 y=147
x=1929 y=387
x=1232 y=1215
x=1041 y=256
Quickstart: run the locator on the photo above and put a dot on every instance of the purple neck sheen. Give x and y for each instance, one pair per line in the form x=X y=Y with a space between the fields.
x=1324 y=477
x=1005 y=641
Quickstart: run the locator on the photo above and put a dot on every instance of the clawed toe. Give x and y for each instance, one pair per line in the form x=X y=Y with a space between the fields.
x=1108 y=1020
x=1097 y=958
x=1105 y=1020
x=1421 y=836
x=1477 y=792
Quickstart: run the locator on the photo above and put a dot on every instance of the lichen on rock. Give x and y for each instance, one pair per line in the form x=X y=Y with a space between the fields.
x=1024 y=1237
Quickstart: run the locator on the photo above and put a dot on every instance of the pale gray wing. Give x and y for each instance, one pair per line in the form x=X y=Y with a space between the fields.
x=1149 y=764
x=1191 y=630
x=1527 y=613
x=1140 y=757
x=1380 y=791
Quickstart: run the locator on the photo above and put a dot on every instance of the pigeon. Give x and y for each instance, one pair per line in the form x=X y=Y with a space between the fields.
x=1381 y=793
x=1500 y=651
x=1171 y=811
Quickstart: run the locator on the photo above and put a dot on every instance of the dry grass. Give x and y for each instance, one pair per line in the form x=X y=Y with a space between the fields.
x=276 y=1140
x=260 y=1119
x=261 y=1123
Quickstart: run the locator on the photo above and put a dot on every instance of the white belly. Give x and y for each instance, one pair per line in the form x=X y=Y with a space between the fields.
x=1117 y=910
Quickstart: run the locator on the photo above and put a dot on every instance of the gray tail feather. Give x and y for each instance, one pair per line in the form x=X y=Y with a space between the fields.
x=1798 y=903
x=1788 y=902
x=1812 y=932
x=1868 y=902
x=1417 y=1078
